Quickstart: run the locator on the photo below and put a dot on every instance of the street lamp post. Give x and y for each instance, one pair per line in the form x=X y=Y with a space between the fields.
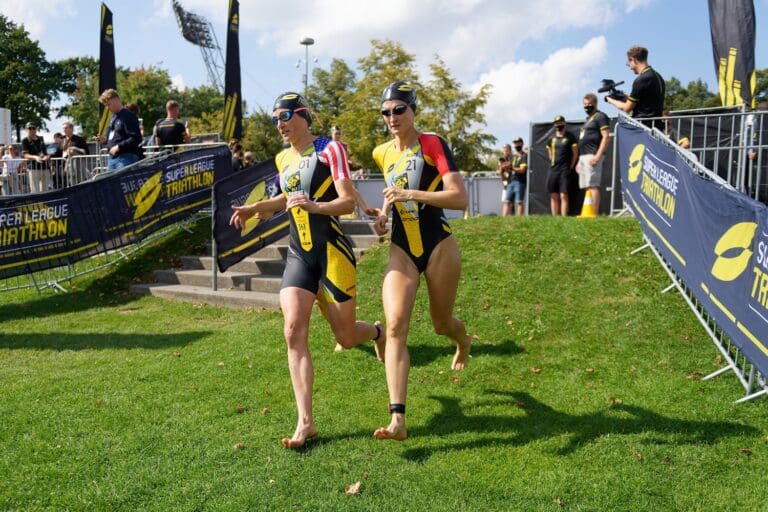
x=307 y=42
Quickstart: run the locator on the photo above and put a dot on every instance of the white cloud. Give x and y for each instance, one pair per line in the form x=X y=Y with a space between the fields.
x=634 y=5
x=525 y=91
x=178 y=82
x=35 y=15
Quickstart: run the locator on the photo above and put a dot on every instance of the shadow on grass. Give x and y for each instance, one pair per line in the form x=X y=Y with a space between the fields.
x=99 y=341
x=541 y=422
x=422 y=355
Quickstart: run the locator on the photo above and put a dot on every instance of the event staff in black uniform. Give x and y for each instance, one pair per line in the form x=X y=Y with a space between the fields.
x=315 y=188
x=563 y=151
x=170 y=131
x=421 y=179
x=593 y=143
x=647 y=96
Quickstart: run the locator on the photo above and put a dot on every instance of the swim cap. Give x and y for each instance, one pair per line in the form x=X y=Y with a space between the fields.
x=402 y=91
x=293 y=101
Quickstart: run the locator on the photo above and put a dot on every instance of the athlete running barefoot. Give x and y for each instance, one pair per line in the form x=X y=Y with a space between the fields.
x=421 y=179
x=315 y=188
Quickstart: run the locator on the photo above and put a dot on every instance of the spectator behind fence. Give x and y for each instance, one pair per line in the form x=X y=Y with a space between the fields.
x=13 y=166
x=75 y=169
x=519 y=177
x=57 y=163
x=237 y=157
x=249 y=161
x=505 y=174
x=647 y=96
x=170 y=131
x=123 y=135
x=33 y=150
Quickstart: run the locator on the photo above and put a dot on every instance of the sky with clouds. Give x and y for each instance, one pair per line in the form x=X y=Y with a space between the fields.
x=540 y=57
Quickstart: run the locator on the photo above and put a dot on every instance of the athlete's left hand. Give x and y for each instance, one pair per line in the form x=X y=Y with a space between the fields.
x=394 y=194
x=302 y=202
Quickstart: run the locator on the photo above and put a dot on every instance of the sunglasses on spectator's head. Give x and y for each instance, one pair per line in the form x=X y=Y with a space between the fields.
x=396 y=111
x=286 y=115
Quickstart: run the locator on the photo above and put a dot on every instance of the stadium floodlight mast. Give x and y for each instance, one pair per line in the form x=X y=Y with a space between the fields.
x=306 y=42
x=199 y=31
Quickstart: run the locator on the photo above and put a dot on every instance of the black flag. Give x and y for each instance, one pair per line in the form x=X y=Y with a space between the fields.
x=233 y=106
x=107 y=78
x=732 y=24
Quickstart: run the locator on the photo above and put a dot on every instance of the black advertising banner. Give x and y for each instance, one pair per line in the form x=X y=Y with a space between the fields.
x=732 y=25
x=107 y=76
x=41 y=231
x=714 y=238
x=233 y=103
x=245 y=187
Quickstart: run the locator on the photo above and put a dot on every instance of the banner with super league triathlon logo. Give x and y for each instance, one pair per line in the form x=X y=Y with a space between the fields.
x=714 y=238
x=248 y=186
x=57 y=228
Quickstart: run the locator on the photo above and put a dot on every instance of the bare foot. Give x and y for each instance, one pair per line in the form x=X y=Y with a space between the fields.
x=381 y=342
x=395 y=431
x=338 y=348
x=461 y=358
x=300 y=436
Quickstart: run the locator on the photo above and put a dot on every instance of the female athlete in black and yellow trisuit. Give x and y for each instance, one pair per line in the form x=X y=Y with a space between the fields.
x=316 y=189
x=421 y=179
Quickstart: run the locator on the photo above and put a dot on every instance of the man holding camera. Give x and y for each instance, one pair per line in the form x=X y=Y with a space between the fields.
x=593 y=142
x=647 y=97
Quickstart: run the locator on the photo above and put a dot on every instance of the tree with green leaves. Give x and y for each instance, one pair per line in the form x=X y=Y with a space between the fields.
x=330 y=89
x=695 y=95
x=29 y=82
x=363 y=127
x=457 y=116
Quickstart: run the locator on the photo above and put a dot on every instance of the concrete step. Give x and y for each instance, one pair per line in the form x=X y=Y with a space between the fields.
x=251 y=265
x=236 y=299
x=224 y=281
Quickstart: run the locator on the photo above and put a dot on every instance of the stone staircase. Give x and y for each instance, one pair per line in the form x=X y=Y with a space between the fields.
x=252 y=283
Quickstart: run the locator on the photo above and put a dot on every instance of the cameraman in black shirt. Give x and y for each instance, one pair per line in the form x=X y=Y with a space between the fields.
x=647 y=96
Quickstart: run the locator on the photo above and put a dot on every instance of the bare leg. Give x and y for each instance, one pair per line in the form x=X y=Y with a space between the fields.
x=596 y=199
x=520 y=209
x=563 y=204
x=398 y=294
x=554 y=204
x=296 y=304
x=506 y=208
x=442 y=275
x=350 y=333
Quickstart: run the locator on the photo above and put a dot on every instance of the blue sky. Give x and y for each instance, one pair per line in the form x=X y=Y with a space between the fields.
x=540 y=57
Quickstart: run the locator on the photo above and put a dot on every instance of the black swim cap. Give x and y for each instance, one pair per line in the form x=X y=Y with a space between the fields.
x=293 y=101
x=402 y=91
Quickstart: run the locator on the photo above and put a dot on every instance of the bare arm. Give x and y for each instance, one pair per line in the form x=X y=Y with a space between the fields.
x=453 y=196
x=626 y=106
x=245 y=212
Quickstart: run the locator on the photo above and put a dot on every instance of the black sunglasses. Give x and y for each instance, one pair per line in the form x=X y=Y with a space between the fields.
x=286 y=115
x=396 y=111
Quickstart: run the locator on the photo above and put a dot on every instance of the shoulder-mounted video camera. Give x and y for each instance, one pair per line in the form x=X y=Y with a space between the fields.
x=609 y=86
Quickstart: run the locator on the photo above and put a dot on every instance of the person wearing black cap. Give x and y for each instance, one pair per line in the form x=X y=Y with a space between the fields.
x=421 y=179
x=316 y=189
x=33 y=149
x=519 y=169
x=563 y=151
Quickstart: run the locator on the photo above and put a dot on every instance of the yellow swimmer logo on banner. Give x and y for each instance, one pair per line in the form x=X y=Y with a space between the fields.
x=736 y=241
x=147 y=195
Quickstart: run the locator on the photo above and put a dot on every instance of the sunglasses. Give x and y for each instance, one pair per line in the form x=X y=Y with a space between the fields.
x=397 y=111
x=286 y=115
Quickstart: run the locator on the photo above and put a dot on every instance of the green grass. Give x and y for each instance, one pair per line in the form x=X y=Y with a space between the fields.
x=583 y=393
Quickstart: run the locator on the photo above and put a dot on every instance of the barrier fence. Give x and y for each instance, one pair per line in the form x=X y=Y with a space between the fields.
x=710 y=239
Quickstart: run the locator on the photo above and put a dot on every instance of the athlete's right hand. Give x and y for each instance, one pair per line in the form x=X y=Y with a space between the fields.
x=242 y=214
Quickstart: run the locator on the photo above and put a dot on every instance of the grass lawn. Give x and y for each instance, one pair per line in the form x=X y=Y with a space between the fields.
x=583 y=393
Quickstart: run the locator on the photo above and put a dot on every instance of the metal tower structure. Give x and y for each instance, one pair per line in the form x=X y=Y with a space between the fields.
x=199 y=31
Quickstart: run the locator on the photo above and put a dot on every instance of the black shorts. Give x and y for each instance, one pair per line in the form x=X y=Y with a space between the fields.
x=557 y=181
x=332 y=266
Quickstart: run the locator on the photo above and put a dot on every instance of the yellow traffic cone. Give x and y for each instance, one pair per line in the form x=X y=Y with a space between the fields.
x=588 y=209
